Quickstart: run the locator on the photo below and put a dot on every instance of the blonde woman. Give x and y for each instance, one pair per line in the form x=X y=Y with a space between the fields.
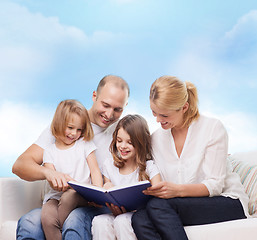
x=190 y=151
x=72 y=154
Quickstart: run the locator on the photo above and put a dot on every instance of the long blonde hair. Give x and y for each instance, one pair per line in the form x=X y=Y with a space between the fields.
x=137 y=128
x=62 y=115
x=170 y=93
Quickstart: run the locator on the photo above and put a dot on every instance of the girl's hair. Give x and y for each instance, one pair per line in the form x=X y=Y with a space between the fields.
x=170 y=93
x=62 y=117
x=137 y=128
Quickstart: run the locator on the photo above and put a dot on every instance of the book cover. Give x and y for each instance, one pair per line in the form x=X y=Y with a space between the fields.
x=129 y=196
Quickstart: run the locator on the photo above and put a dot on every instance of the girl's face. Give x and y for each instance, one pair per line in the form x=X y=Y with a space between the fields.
x=124 y=145
x=73 y=130
x=168 y=119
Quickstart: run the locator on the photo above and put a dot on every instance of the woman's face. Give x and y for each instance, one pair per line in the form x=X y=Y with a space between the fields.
x=167 y=118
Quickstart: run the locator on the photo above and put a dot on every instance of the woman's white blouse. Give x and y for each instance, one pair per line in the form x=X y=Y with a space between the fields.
x=202 y=160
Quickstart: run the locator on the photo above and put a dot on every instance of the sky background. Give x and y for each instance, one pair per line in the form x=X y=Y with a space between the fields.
x=55 y=50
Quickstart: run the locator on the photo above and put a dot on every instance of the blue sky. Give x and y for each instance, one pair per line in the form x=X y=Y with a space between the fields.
x=54 y=50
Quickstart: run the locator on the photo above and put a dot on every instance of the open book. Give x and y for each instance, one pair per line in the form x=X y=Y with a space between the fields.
x=129 y=196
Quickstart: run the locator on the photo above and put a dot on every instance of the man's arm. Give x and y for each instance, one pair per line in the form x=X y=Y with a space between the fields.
x=28 y=167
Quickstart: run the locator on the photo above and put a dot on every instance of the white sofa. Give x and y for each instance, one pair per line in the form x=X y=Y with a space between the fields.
x=17 y=197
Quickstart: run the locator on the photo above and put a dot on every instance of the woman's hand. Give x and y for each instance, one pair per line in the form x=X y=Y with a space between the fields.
x=164 y=190
x=115 y=209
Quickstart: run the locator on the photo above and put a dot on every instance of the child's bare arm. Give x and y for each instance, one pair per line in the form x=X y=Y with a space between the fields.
x=156 y=179
x=96 y=175
x=107 y=183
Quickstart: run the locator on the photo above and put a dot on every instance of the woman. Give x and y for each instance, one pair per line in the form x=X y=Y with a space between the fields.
x=190 y=151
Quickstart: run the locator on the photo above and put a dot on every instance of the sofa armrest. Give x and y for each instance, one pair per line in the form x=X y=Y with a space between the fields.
x=18 y=197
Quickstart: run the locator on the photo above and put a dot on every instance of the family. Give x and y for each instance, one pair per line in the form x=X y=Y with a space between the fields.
x=185 y=160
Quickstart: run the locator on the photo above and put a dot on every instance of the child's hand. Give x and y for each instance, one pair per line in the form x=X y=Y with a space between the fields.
x=115 y=209
x=108 y=185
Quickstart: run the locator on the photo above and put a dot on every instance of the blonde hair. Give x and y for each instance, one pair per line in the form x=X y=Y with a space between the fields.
x=62 y=116
x=137 y=128
x=170 y=93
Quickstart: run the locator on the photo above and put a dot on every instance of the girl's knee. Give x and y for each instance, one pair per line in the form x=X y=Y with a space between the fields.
x=123 y=219
x=102 y=220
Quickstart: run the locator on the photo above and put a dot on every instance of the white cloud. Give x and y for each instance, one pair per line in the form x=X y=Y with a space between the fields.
x=20 y=124
x=241 y=128
x=32 y=45
x=134 y=107
x=246 y=26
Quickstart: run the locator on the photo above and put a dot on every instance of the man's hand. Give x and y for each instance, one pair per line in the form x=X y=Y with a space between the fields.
x=58 y=181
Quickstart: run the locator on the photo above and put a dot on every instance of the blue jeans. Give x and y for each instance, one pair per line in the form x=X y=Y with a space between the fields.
x=165 y=218
x=76 y=226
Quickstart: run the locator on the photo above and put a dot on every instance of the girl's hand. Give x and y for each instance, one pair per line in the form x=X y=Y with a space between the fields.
x=115 y=209
x=163 y=190
x=108 y=185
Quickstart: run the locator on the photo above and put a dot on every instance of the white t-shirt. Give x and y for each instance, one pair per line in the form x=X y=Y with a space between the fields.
x=71 y=161
x=102 y=139
x=113 y=173
x=203 y=159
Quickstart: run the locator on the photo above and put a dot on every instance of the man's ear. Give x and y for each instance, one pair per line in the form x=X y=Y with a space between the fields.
x=94 y=96
x=185 y=107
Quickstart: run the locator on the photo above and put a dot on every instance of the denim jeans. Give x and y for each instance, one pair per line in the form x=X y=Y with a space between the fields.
x=165 y=218
x=76 y=226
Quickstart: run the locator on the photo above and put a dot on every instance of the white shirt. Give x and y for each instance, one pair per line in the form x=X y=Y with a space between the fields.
x=113 y=174
x=202 y=160
x=102 y=139
x=71 y=161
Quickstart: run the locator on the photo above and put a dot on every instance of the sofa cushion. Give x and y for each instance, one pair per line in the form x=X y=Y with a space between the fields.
x=248 y=176
x=8 y=230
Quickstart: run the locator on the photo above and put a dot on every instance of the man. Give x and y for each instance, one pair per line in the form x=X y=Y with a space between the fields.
x=109 y=100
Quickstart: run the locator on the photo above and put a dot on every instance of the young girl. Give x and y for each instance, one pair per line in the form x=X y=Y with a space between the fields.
x=73 y=155
x=131 y=151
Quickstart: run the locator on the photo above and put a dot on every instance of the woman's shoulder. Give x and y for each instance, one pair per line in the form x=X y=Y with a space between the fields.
x=207 y=121
x=160 y=132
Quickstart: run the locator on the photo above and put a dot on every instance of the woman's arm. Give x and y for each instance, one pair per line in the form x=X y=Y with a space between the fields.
x=96 y=176
x=171 y=190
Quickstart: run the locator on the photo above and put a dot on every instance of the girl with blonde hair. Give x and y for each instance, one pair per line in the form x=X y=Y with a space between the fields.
x=72 y=154
x=190 y=151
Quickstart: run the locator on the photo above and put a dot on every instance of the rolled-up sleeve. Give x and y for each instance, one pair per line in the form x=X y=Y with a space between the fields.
x=215 y=164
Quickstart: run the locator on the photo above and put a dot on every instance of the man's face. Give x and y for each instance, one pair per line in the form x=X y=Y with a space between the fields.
x=108 y=105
